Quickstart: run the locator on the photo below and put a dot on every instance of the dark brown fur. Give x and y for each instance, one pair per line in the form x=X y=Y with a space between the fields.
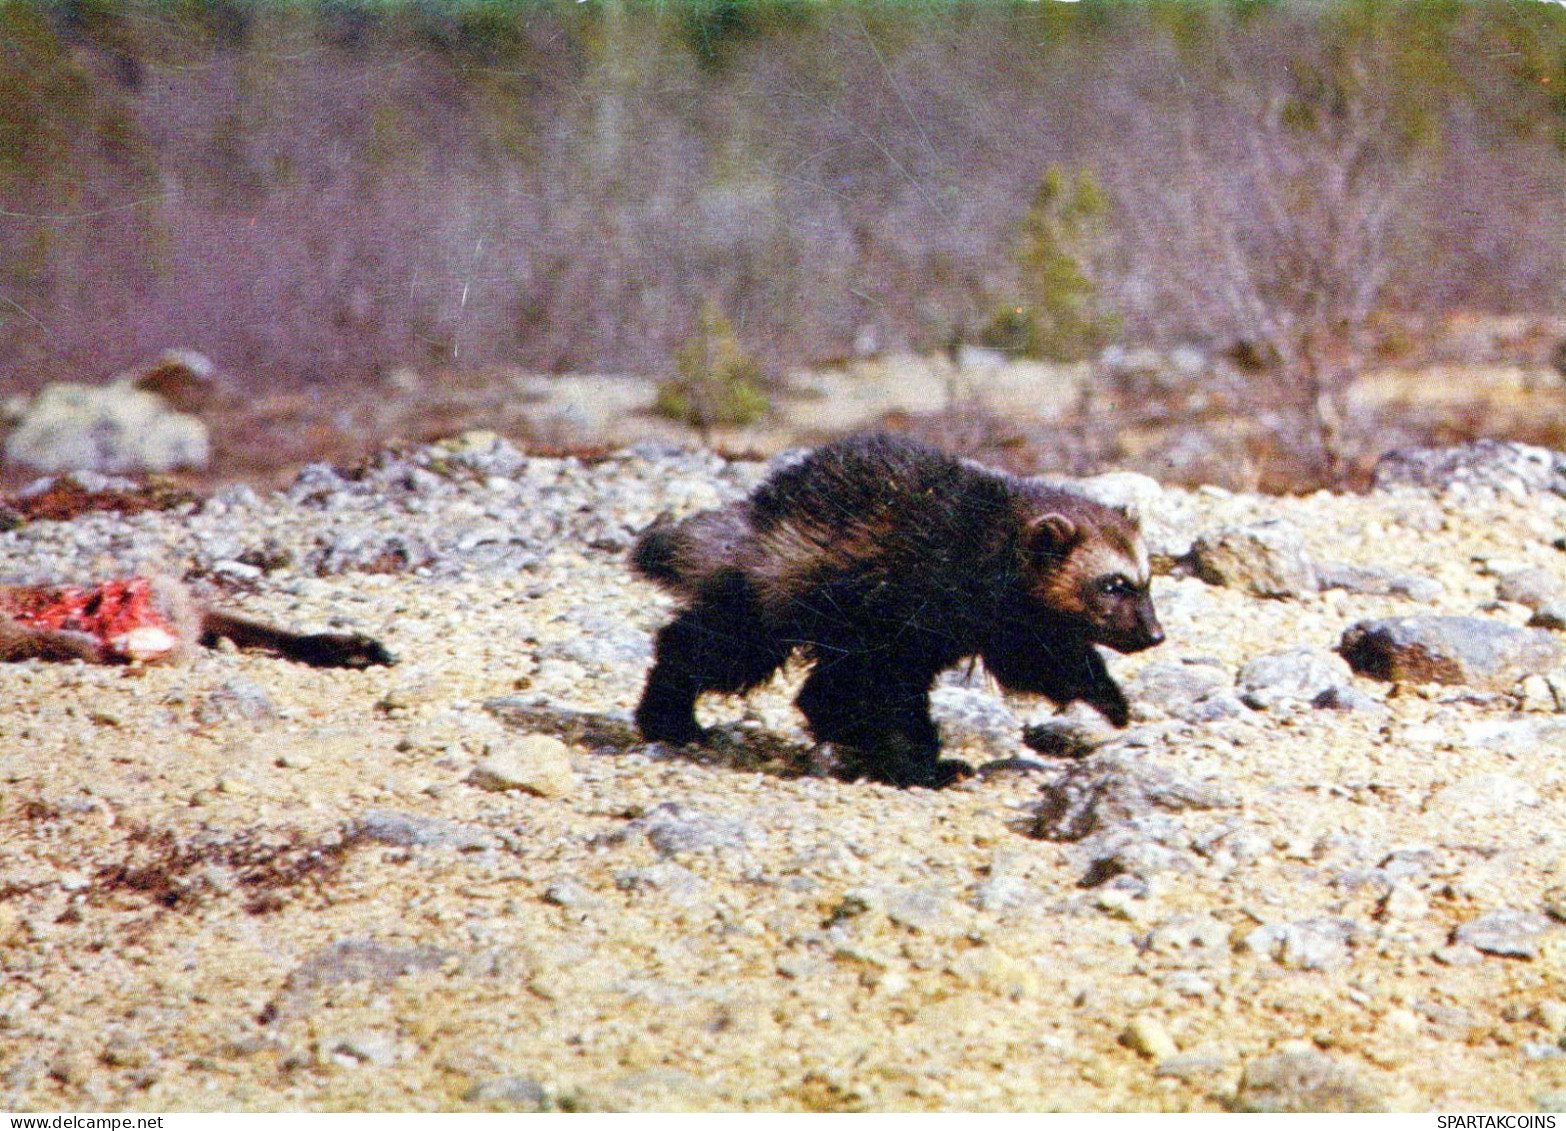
x=886 y=562
x=183 y=622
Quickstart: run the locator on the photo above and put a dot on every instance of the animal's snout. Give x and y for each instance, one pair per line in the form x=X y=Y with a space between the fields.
x=1149 y=633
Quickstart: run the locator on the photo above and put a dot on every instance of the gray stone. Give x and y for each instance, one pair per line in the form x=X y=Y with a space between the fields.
x=1199 y=939
x=352 y=960
x=1267 y=559
x=1189 y=1065
x=1212 y=708
x=1344 y=697
x=1066 y=737
x=509 y=1093
x=1373 y=582
x=1000 y=891
x=237 y=699
x=1113 y=788
x=367 y=1047
x=1299 y=675
x=666 y=879
x=1508 y=933
x=354 y=549
x=409 y=831
x=1535 y=588
x=1172 y=685
x=1551 y=616
x=1136 y=495
x=1515 y=469
x=1310 y=944
x=673 y=829
x=928 y=910
x=569 y=893
x=1302 y=1081
x=115 y=429
x=608 y=730
x=1484 y=654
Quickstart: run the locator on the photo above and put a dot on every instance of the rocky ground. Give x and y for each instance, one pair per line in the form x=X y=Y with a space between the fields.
x=461 y=883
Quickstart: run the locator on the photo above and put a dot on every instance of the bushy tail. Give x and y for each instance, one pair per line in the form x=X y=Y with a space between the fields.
x=656 y=554
x=686 y=556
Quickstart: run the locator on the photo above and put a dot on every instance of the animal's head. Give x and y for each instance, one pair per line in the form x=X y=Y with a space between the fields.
x=1086 y=562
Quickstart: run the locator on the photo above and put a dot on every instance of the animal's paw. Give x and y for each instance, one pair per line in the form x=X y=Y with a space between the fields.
x=670 y=730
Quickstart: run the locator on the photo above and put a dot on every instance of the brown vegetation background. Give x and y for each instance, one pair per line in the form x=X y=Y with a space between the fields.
x=315 y=193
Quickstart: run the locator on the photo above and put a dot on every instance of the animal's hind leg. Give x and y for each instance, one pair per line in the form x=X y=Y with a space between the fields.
x=717 y=646
x=880 y=714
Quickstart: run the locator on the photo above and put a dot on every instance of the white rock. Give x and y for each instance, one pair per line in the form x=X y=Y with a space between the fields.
x=537 y=764
x=1147 y=1035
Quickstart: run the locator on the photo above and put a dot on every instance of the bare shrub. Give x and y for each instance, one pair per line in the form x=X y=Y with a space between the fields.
x=313 y=193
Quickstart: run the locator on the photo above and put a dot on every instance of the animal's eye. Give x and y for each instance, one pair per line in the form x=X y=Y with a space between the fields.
x=1116 y=585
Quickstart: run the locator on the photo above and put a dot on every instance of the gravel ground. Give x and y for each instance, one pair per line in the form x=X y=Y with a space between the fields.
x=461 y=883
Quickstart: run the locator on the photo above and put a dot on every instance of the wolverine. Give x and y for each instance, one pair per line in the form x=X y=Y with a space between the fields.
x=884 y=562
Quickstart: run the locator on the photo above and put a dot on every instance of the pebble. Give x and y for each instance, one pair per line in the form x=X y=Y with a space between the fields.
x=1509 y=933
x=389 y=827
x=238 y=698
x=1112 y=788
x=1367 y=580
x=992 y=969
x=1172 y=685
x=1551 y=1013
x=509 y=1093
x=1147 y=1035
x=1551 y=616
x=1299 y=675
x=1535 y=588
x=1309 y=944
x=1405 y=902
x=1302 y=1080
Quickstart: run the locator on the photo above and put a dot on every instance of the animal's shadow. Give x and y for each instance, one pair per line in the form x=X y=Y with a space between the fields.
x=730 y=746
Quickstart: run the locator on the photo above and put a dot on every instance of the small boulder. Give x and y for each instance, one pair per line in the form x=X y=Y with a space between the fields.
x=1515 y=469
x=1535 y=588
x=1507 y=933
x=1267 y=559
x=1487 y=655
x=1113 y=788
x=1299 y=675
x=115 y=429
x=1369 y=581
x=537 y=763
x=1302 y=1080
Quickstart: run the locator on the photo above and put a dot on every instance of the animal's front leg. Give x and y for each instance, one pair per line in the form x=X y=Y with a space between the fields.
x=1063 y=670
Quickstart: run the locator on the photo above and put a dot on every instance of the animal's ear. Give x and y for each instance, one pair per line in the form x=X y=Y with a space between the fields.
x=1052 y=534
